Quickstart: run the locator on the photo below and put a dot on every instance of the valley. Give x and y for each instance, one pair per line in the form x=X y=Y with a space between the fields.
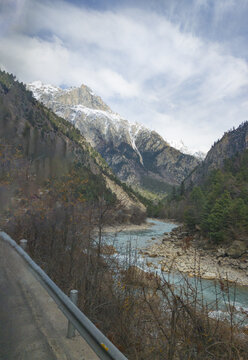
x=124 y=176
x=61 y=188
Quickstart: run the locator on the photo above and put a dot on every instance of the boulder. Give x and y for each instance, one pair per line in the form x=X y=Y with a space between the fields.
x=153 y=255
x=220 y=252
x=243 y=266
x=237 y=249
x=209 y=276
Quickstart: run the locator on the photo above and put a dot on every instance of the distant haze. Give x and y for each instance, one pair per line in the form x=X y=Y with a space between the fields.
x=178 y=67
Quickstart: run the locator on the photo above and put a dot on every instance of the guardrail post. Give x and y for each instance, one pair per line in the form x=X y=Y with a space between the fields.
x=23 y=244
x=71 y=328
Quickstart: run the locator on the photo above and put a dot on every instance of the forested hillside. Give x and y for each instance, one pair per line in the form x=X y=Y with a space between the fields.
x=213 y=199
x=218 y=207
x=233 y=142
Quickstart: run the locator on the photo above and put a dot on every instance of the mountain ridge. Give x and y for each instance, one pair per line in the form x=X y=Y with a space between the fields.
x=232 y=142
x=135 y=153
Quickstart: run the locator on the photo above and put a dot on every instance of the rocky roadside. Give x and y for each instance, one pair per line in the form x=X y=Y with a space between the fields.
x=183 y=252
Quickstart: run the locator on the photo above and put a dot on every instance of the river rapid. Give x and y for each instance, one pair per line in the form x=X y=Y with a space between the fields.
x=129 y=242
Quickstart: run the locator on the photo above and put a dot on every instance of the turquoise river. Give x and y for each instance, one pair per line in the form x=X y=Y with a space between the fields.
x=131 y=241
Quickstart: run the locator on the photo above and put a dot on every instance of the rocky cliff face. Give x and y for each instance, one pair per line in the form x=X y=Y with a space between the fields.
x=136 y=155
x=233 y=142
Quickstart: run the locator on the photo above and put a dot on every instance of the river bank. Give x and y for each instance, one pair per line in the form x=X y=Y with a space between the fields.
x=128 y=227
x=178 y=251
x=134 y=227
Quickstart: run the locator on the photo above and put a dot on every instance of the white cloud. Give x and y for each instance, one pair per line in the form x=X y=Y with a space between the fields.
x=115 y=84
x=144 y=66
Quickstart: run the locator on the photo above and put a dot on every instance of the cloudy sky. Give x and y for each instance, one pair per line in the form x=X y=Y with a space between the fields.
x=179 y=67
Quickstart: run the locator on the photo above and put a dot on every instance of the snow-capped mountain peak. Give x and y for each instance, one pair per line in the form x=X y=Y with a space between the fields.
x=179 y=145
x=82 y=106
x=134 y=152
x=38 y=89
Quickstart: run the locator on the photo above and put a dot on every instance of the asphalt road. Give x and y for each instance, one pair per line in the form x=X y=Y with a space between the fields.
x=31 y=325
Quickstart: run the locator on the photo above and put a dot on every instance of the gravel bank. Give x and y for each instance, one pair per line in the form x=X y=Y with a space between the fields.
x=180 y=252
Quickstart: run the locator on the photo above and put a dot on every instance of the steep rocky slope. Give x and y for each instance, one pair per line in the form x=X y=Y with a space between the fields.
x=49 y=144
x=136 y=155
x=233 y=142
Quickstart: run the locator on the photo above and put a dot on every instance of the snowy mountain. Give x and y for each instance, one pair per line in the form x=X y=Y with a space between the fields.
x=136 y=154
x=179 y=145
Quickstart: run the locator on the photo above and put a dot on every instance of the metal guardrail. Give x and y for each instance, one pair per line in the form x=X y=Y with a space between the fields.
x=94 y=337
